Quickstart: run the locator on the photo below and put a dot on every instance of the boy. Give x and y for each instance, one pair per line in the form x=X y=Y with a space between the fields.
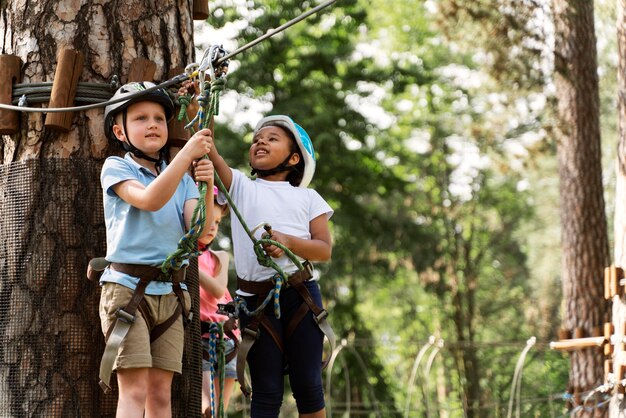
x=148 y=206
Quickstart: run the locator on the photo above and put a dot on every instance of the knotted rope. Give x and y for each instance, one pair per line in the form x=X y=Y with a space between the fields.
x=208 y=101
x=217 y=355
x=188 y=244
x=279 y=279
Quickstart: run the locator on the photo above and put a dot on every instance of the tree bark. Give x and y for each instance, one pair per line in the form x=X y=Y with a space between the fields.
x=584 y=229
x=617 y=406
x=51 y=220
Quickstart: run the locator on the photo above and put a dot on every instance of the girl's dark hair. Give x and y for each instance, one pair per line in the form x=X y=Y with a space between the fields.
x=294 y=177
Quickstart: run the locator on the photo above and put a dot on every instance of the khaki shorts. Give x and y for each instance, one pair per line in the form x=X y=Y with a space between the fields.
x=166 y=352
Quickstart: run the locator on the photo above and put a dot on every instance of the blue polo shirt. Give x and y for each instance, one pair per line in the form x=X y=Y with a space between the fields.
x=137 y=236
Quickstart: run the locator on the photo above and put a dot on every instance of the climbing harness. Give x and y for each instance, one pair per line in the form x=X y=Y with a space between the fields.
x=126 y=316
x=251 y=333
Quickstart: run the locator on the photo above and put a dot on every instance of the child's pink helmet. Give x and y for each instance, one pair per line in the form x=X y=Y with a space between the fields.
x=302 y=138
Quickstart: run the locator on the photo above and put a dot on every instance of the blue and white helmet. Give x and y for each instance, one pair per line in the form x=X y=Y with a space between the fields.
x=302 y=138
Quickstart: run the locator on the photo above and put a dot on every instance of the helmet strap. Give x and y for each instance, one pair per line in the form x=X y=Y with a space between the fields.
x=278 y=169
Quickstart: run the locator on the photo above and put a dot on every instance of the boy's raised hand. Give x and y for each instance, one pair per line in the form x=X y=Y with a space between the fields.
x=199 y=144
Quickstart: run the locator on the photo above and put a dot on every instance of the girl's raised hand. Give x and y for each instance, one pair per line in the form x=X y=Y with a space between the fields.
x=203 y=171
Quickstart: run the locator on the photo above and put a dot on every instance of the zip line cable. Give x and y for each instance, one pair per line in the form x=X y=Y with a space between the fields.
x=177 y=79
x=279 y=29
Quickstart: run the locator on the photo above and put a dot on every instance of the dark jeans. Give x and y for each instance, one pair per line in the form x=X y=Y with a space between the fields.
x=302 y=357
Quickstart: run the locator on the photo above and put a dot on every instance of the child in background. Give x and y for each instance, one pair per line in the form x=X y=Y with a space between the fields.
x=148 y=207
x=213 y=266
x=282 y=157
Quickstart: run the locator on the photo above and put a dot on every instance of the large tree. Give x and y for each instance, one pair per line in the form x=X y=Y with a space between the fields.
x=50 y=211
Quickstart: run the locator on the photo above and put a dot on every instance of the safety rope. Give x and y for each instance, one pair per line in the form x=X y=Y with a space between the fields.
x=209 y=107
x=217 y=355
x=279 y=279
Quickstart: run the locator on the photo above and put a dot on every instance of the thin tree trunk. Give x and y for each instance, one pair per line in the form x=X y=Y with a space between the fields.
x=51 y=220
x=583 y=220
x=617 y=407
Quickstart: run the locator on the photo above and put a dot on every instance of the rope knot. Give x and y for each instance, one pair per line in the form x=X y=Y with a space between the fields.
x=184 y=101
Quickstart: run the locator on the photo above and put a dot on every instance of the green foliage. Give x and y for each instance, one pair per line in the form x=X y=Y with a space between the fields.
x=428 y=207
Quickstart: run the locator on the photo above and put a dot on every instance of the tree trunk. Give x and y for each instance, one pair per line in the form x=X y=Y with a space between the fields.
x=51 y=220
x=617 y=406
x=583 y=219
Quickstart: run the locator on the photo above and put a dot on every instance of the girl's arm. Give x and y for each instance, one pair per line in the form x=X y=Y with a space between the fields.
x=318 y=248
x=216 y=286
x=221 y=167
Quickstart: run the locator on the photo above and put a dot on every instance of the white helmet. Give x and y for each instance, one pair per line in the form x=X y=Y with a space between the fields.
x=159 y=96
x=302 y=138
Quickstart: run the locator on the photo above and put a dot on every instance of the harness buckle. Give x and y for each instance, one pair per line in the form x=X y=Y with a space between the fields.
x=252 y=333
x=319 y=318
x=122 y=315
x=229 y=309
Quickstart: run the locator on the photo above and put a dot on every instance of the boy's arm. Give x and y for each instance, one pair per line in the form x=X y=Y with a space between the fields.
x=216 y=286
x=156 y=194
x=318 y=248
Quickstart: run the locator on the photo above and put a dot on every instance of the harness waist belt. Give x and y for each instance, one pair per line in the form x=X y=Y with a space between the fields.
x=251 y=333
x=149 y=272
x=264 y=287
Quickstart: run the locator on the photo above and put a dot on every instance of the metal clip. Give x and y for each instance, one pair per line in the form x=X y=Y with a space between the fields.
x=124 y=316
x=210 y=61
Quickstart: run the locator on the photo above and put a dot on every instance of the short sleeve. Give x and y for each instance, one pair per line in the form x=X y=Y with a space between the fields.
x=191 y=189
x=319 y=206
x=115 y=170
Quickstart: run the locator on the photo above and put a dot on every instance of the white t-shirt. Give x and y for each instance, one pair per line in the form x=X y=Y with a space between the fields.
x=286 y=208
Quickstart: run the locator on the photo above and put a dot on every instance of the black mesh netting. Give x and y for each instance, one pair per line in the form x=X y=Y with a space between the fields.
x=51 y=224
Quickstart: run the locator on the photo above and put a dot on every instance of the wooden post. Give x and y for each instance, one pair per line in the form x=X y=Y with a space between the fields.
x=608 y=331
x=607 y=283
x=619 y=375
x=200 y=9
x=578 y=343
x=177 y=134
x=615 y=278
x=69 y=67
x=10 y=73
x=141 y=69
x=619 y=276
x=608 y=368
